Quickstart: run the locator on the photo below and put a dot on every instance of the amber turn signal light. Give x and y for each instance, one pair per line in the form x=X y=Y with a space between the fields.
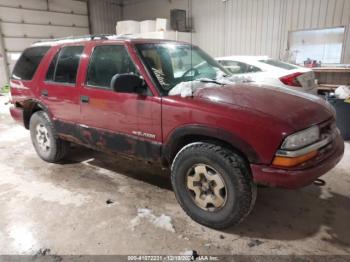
x=293 y=161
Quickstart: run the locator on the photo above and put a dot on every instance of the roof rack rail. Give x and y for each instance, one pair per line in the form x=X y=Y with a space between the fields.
x=87 y=37
x=83 y=37
x=100 y=36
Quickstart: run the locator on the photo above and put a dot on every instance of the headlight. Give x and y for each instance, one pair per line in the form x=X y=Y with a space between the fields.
x=302 y=138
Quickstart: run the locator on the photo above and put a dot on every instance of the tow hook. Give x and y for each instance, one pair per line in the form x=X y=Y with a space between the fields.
x=319 y=182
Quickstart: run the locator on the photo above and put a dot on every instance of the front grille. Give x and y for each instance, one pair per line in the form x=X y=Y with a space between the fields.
x=328 y=128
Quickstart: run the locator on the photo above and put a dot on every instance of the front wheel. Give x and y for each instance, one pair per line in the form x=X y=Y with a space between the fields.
x=213 y=185
x=47 y=145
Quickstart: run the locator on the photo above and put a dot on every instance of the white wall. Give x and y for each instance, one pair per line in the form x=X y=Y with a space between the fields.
x=249 y=27
x=151 y=9
x=26 y=21
x=260 y=27
x=232 y=27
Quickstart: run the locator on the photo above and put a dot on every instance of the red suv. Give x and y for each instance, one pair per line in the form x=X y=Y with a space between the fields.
x=170 y=103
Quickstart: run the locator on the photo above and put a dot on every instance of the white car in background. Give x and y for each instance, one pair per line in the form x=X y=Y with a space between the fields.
x=269 y=71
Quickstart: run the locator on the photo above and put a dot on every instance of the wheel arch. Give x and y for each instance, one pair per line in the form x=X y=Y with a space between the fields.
x=185 y=135
x=30 y=107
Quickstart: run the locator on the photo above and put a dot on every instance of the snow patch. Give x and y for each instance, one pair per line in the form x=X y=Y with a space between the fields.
x=163 y=221
x=187 y=253
x=13 y=134
x=186 y=89
x=183 y=237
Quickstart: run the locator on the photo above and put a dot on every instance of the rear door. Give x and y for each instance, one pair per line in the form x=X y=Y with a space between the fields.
x=118 y=121
x=58 y=89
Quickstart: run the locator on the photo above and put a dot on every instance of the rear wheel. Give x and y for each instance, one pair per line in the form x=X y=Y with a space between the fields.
x=45 y=141
x=213 y=185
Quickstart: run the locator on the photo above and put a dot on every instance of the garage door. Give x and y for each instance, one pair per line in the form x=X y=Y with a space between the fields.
x=26 y=21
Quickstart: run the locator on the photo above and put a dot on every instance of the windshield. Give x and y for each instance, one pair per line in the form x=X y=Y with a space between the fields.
x=279 y=64
x=173 y=64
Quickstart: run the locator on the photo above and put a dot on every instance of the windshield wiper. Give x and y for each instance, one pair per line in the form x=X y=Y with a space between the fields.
x=203 y=80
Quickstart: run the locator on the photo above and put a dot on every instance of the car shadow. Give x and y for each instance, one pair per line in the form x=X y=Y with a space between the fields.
x=137 y=169
x=278 y=214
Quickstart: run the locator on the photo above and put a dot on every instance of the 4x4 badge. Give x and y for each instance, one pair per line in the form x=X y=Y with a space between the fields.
x=143 y=134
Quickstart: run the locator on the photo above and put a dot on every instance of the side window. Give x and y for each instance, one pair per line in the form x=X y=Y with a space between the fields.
x=28 y=62
x=232 y=66
x=107 y=61
x=239 y=67
x=252 y=69
x=64 y=66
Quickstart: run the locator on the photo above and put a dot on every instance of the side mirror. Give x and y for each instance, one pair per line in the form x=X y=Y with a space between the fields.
x=127 y=83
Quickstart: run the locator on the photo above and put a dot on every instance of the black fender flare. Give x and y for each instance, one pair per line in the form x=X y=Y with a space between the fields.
x=28 y=106
x=176 y=137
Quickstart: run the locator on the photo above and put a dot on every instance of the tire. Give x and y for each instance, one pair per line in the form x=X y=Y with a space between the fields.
x=237 y=197
x=48 y=146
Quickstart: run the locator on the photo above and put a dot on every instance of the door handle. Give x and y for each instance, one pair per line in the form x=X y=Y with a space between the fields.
x=44 y=92
x=85 y=99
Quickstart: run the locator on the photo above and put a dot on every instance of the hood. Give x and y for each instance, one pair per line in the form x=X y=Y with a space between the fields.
x=298 y=109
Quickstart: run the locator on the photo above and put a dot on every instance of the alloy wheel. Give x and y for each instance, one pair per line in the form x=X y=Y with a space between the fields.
x=207 y=187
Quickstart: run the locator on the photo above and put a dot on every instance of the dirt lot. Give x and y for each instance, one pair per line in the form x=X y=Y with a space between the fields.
x=98 y=204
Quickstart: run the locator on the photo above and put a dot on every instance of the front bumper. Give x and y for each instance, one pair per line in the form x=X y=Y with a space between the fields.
x=303 y=175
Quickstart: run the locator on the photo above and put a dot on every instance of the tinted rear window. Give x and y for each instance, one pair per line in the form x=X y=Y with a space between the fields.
x=28 y=62
x=67 y=64
x=279 y=64
x=64 y=66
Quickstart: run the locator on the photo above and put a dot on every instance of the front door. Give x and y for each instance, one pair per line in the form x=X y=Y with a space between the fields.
x=118 y=121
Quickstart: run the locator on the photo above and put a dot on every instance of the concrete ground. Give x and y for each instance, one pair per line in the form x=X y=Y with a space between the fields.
x=98 y=204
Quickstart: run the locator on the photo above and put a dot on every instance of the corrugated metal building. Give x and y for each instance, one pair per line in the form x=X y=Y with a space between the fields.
x=249 y=27
x=221 y=27
x=104 y=15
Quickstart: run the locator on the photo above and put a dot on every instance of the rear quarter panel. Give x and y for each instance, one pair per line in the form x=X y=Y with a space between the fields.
x=24 y=90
